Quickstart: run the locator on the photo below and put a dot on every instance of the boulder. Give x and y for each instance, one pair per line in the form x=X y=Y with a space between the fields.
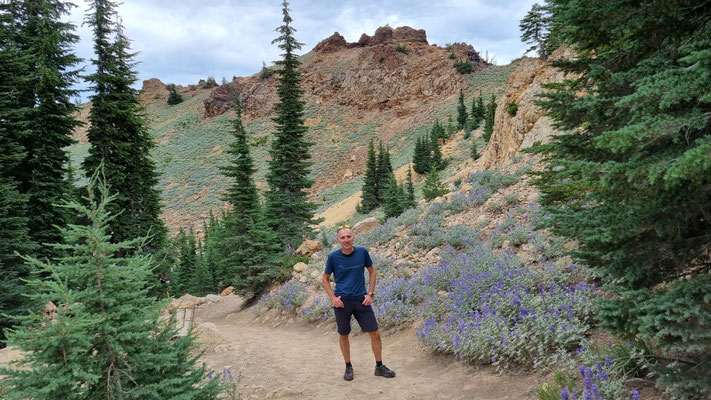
x=300 y=267
x=212 y=298
x=315 y=274
x=185 y=302
x=365 y=225
x=228 y=291
x=309 y=247
x=50 y=310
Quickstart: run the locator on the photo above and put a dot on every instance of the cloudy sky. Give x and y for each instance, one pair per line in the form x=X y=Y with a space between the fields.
x=183 y=41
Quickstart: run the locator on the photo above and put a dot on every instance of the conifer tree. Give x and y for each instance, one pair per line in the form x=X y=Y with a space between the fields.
x=461 y=111
x=384 y=171
x=433 y=187
x=369 y=197
x=288 y=211
x=474 y=151
x=630 y=177
x=436 y=154
x=14 y=237
x=186 y=268
x=489 y=118
x=118 y=133
x=410 y=202
x=49 y=118
x=107 y=340
x=174 y=97
x=392 y=206
x=478 y=108
x=535 y=30
x=247 y=247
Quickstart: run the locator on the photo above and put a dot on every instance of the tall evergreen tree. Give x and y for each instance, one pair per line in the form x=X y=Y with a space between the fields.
x=186 y=268
x=461 y=111
x=433 y=186
x=108 y=340
x=369 y=196
x=478 y=108
x=247 y=247
x=436 y=154
x=489 y=118
x=535 y=30
x=421 y=158
x=49 y=118
x=630 y=177
x=288 y=211
x=384 y=171
x=410 y=197
x=474 y=150
x=392 y=205
x=14 y=236
x=118 y=133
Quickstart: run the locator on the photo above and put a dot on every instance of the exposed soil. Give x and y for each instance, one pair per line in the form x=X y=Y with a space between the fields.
x=282 y=357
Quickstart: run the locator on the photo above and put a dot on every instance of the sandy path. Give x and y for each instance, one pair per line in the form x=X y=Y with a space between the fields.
x=285 y=358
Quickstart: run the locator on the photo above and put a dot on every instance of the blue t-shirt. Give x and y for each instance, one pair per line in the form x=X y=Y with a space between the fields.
x=348 y=273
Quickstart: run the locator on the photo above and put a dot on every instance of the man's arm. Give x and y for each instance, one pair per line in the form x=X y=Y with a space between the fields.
x=336 y=300
x=371 y=286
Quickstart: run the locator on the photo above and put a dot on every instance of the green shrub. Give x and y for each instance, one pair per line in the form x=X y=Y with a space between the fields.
x=266 y=73
x=209 y=83
x=511 y=198
x=464 y=67
x=401 y=48
x=452 y=56
x=511 y=108
x=381 y=59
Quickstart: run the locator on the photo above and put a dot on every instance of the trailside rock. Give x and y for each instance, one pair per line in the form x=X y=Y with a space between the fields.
x=185 y=302
x=365 y=225
x=228 y=291
x=309 y=247
x=300 y=267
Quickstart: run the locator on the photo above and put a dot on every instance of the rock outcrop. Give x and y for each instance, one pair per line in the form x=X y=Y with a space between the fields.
x=219 y=101
x=528 y=125
x=386 y=34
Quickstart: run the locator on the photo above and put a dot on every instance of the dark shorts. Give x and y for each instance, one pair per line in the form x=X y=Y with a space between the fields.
x=363 y=314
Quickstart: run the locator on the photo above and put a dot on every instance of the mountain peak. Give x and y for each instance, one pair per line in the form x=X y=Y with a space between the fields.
x=383 y=35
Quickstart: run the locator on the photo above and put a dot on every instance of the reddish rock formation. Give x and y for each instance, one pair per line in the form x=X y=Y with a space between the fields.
x=333 y=43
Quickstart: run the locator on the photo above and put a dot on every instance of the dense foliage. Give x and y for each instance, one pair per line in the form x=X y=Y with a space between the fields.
x=107 y=340
x=536 y=30
x=118 y=133
x=630 y=180
x=288 y=211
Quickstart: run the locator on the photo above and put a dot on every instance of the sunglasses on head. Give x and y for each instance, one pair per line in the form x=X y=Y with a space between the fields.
x=343 y=226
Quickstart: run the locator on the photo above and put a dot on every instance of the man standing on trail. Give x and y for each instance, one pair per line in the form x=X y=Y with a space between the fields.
x=350 y=298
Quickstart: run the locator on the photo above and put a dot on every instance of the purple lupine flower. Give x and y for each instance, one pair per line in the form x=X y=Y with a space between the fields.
x=608 y=361
x=635 y=395
x=564 y=395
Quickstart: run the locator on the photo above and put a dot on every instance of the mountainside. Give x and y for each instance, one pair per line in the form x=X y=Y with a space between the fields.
x=389 y=87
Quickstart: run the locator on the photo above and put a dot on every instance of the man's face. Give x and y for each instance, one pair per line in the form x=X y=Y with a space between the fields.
x=345 y=238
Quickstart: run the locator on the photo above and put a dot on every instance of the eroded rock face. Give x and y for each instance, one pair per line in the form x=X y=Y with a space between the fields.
x=219 y=101
x=528 y=125
x=333 y=43
x=386 y=34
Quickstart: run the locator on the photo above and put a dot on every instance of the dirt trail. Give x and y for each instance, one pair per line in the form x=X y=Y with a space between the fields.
x=285 y=358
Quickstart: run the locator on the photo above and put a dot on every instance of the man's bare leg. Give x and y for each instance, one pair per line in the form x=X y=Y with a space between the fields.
x=377 y=344
x=345 y=347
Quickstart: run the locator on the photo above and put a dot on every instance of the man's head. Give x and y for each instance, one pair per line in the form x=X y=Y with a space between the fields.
x=345 y=237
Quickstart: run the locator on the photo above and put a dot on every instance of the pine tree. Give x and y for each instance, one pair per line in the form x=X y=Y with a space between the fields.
x=433 y=187
x=450 y=127
x=108 y=339
x=118 y=133
x=421 y=158
x=174 y=97
x=535 y=30
x=474 y=152
x=410 y=198
x=489 y=118
x=392 y=206
x=436 y=154
x=14 y=236
x=288 y=211
x=478 y=109
x=462 y=111
x=369 y=196
x=630 y=177
x=49 y=118
x=384 y=171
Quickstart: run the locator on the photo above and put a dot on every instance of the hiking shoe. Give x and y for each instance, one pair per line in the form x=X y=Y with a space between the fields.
x=384 y=372
x=349 y=373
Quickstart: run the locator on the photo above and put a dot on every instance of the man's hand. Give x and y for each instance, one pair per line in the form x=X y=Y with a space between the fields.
x=336 y=300
x=368 y=300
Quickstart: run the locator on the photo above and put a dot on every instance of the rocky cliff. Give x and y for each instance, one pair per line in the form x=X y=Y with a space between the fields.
x=519 y=130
